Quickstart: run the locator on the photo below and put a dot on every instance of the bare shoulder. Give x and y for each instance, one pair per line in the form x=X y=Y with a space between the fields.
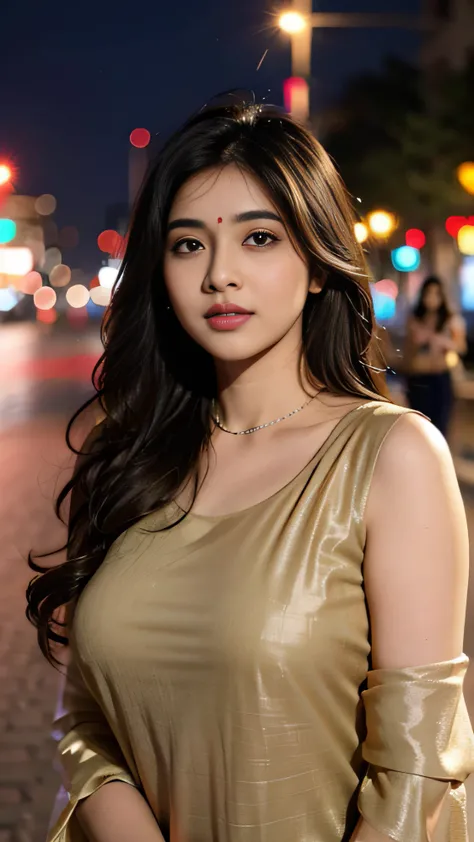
x=412 y=451
x=416 y=556
x=414 y=471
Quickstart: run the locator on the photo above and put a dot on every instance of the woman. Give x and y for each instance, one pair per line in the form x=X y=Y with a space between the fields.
x=265 y=643
x=432 y=332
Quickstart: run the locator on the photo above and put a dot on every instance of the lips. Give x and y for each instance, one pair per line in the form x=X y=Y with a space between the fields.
x=226 y=309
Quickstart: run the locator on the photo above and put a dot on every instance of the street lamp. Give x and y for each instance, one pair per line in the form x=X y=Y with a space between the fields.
x=465 y=174
x=5 y=174
x=381 y=223
x=361 y=232
x=292 y=22
x=299 y=21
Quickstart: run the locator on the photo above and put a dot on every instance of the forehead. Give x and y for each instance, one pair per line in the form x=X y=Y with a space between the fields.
x=221 y=191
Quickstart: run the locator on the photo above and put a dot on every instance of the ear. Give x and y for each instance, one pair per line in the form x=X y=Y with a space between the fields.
x=316 y=284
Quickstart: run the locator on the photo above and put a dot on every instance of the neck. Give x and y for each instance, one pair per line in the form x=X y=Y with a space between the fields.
x=262 y=389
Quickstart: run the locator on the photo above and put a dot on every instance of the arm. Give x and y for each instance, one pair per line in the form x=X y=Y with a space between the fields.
x=418 y=333
x=416 y=572
x=104 y=803
x=117 y=813
x=457 y=339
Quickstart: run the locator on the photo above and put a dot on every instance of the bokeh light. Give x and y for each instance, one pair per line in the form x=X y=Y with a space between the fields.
x=381 y=223
x=95 y=312
x=415 y=238
x=47 y=317
x=465 y=174
x=406 y=259
x=77 y=296
x=7 y=230
x=455 y=223
x=60 y=275
x=95 y=282
x=384 y=305
x=45 y=204
x=387 y=287
x=8 y=299
x=15 y=261
x=5 y=174
x=140 y=138
x=30 y=282
x=466 y=279
x=52 y=258
x=110 y=242
x=452 y=359
x=101 y=296
x=292 y=22
x=108 y=276
x=361 y=232
x=45 y=298
x=68 y=237
x=295 y=94
x=466 y=240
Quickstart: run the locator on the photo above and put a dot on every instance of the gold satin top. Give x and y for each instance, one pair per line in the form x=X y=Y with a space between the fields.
x=221 y=667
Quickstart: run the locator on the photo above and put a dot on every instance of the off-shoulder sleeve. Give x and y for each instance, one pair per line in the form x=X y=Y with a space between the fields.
x=89 y=755
x=420 y=750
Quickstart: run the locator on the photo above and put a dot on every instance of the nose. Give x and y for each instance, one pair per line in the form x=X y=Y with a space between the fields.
x=222 y=273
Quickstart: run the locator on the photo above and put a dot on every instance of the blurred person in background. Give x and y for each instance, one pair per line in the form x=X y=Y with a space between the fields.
x=435 y=339
x=264 y=644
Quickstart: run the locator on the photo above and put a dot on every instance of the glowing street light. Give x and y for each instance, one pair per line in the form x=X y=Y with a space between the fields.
x=5 y=174
x=466 y=240
x=108 y=276
x=292 y=22
x=361 y=232
x=381 y=223
x=465 y=174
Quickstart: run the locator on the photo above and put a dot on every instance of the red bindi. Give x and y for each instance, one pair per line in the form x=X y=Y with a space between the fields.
x=219 y=219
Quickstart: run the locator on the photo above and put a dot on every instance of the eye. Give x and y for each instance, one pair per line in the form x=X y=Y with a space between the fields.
x=187 y=246
x=261 y=239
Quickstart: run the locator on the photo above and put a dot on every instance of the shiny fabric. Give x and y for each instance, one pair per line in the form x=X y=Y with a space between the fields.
x=219 y=667
x=410 y=774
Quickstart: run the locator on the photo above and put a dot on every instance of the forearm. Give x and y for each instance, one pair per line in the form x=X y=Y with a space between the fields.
x=117 y=812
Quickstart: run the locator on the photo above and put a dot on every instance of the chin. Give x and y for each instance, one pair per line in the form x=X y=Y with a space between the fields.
x=236 y=351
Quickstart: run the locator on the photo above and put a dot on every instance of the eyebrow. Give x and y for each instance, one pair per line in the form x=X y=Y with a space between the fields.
x=247 y=216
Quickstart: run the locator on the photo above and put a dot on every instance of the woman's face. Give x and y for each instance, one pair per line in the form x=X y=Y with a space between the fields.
x=432 y=298
x=227 y=248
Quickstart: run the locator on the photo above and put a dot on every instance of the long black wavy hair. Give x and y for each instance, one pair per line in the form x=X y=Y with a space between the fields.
x=444 y=312
x=154 y=384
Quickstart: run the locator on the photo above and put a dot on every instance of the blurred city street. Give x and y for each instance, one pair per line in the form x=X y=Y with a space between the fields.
x=43 y=378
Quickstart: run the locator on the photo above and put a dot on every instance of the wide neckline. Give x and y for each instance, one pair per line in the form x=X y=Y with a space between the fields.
x=307 y=467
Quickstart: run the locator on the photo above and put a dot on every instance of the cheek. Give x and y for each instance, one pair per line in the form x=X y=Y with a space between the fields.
x=182 y=285
x=288 y=284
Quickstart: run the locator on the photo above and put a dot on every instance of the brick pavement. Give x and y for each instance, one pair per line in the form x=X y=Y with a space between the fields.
x=32 y=457
x=28 y=460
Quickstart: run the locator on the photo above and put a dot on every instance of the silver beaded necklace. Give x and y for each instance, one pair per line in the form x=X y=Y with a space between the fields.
x=218 y=423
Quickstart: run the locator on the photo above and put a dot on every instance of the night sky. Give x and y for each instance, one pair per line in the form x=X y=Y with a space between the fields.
x=77 y=79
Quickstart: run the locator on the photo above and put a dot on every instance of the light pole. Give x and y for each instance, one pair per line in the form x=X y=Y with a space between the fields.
x=299 y=22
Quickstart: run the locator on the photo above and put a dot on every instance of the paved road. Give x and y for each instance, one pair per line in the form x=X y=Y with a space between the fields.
x=43 y=377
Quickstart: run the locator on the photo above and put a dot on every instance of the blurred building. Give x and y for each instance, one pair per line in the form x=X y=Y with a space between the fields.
x=451 y=38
